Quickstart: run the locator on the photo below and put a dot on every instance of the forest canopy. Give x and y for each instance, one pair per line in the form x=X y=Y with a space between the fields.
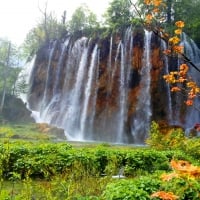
x=119 y=15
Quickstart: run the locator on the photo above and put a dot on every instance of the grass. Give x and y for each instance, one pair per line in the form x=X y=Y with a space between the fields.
x=26 y=132
x=34 y=166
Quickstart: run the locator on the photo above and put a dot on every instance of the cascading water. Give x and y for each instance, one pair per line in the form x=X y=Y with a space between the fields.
x=88 y=90
x=125 y=68
x=143 y=110
x=94 y=100
x=24 y=78
x=101 y=90
x=193 y=52
x=166 y=71
x=122 y=97
x=71 y=120
x=48 y=82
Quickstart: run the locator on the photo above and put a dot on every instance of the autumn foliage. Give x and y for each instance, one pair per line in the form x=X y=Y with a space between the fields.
x=165 y=195
x=181 y=169
x=179 y=80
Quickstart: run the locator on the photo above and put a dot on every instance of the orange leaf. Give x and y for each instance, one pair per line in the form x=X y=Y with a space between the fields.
x=178 y=31
x=149 y=18
x=180 y=24
x=165 y=195
x=189 y=102
x=156 y=10
x=167 y=52
x=147 y=2
x=157 y=2
x=178 y=49
x=185 y=168
x=168 y=177
x=174 y=40
x=184 y=67
x=175 y=89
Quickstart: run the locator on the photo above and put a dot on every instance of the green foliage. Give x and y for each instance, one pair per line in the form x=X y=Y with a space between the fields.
x=46 y=160
x=9 y=62
x=47 y=29
x=174 y=139
x=131 y=189
x=189 y=12
x=83 y=21
x=118 y=15
x=45 y=170
x=147 y=161
x=184 y=187
x=82 y=173
x=192 y=148
x=155 y=137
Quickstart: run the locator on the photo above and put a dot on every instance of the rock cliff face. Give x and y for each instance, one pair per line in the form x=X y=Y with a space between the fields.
x=15 y=111
x=102 y=89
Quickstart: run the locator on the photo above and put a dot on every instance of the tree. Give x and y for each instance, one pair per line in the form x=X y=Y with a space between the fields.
x=189 y=11
x=83 y=20
x=179 y=81
x=118 y=15
x=173 y=11
x=8 y=67
x=48 y=28
x=5 y=73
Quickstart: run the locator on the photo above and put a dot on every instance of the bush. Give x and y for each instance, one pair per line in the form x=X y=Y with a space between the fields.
x=140 y=188
x=124 y=189
x=173 y=139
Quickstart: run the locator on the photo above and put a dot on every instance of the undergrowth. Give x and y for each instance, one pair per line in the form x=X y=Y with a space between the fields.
x=57 y=170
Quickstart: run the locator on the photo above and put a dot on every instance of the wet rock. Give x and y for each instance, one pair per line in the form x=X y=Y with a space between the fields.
x=51 y=130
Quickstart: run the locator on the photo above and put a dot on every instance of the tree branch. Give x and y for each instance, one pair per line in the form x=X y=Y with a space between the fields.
x=157 y=32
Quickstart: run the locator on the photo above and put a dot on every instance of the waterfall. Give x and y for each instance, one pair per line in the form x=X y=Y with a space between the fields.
x=73 y=59
x=166 y=71
x=115 y=65
x=141 y=119
x=99 y=89
x=112 y=74
x=72 y=117
x=94 y=99
x=122 y=97
x=48 y=82
x=24 y=79
x=59 y=67
x=125 y=68
x=193 y=52
x=88 y=91
x=110 y=59
x=49 y=110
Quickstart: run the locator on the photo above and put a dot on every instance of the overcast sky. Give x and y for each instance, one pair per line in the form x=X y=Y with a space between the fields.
x=17 y=17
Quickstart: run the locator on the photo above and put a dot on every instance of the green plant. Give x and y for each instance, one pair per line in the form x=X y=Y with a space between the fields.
x=184 y=187
x=192 y=148
x=182 y=183
x=173 y=139
x=125 y=189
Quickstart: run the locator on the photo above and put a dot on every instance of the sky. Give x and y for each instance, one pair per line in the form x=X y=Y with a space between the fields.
x=17 y=17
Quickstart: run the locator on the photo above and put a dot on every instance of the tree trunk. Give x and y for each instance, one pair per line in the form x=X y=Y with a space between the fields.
x=5 y=78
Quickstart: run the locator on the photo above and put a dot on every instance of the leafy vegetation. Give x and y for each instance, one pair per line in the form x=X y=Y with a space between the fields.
x=59 y=170
x=84 y=21
x=118 y=15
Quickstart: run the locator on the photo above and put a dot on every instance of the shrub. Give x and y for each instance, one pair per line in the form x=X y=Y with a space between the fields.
x=124 y=189
x=173 y=139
